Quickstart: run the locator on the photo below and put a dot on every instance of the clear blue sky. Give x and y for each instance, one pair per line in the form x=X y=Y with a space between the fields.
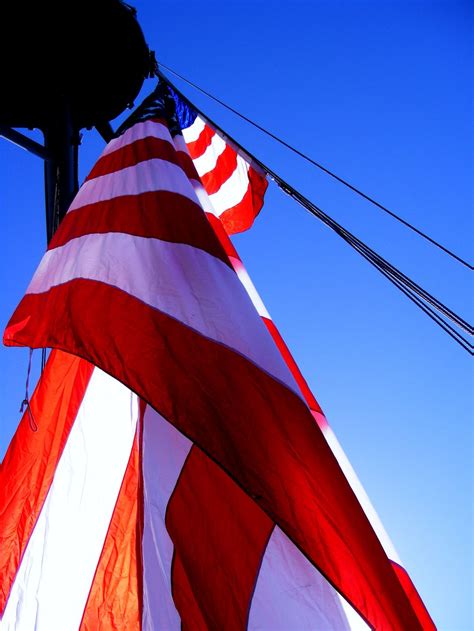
x=382 y=93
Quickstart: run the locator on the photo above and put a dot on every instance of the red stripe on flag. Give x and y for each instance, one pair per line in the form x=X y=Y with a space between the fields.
x=114 y=601
x=184 y=599
x=258 y=430
x=414 y=597
x=199 y=146
x=241 y=216
x=292 y=365
x=186 y=163
x=220 y=536
x=222 y=235
x=225 y=166
x=158 y=214
x=28 y=468
x=141 y=150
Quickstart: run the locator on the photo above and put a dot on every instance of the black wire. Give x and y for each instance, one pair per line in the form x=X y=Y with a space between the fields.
x=388 y=270
x=419 y=302
x=385 y=268
x=378 y=259
x=411 y=289
x=325 y=169
x=433 y=315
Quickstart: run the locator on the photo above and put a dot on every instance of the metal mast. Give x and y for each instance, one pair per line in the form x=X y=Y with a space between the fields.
x=65 y=67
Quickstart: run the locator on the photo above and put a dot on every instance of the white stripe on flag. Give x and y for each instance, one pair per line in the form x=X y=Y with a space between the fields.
x=208 y=160
x=291 y=594
x=147 y=176
x=249 y=287
x=177 y=279
x=164 y=453
x=146 y=129
x=192 y=133
x=53 y=581
x=232 y=190
x=203 y=198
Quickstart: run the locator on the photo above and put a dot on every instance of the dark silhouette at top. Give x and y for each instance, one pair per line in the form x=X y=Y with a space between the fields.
x=67 y=66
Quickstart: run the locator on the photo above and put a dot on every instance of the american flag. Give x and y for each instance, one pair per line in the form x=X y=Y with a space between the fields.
x=235 y=185
x=177 y=478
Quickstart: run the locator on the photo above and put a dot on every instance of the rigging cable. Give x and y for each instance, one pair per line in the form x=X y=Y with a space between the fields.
x=325 y=170
x=419 y=296
x=390 y=272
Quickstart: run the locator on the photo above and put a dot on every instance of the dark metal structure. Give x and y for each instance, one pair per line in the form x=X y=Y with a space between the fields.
x=66 y=66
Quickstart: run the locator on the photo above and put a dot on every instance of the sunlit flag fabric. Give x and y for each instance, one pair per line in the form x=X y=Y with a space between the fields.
x=234 y=184
x=187 y=116
x=177 y=476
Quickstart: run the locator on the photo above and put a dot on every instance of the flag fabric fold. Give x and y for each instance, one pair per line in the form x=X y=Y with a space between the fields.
x=237 y=494
x=173 y=519
x=187 y=116
x=233 y=181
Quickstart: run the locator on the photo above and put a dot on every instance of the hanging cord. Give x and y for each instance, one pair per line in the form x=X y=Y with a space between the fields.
x=326 y=170
x=43 y=359
x=56 y=213
x=26 y=401
x=412 y=290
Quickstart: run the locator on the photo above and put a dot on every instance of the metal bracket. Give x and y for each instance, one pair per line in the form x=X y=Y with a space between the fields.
x=24 y=142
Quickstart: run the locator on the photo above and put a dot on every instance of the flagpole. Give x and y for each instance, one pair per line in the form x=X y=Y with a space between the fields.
x=61 y=141
x=96 y=80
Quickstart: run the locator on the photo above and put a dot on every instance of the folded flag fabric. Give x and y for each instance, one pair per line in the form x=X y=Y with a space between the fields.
x=242 y=511
x=187 y=114
x=234 y=183
x=115 y=520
